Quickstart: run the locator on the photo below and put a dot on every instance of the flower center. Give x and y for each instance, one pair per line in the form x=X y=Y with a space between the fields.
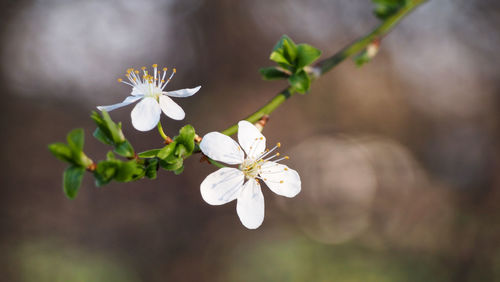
x=251 y=168
x=149 y=84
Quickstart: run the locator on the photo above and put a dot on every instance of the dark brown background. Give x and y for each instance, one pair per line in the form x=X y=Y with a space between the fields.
x=398 y=159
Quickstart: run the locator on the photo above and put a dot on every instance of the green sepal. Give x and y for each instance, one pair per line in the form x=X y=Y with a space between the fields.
x=306 y=54
x=61 y=151
x=149 y=153
x=300 y=82
x=272 y=73
x=72 y=179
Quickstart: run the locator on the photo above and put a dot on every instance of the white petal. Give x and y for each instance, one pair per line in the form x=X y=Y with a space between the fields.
x=281 y=179
x=250 y=206
x=171 y=109
x=222 y=186
x=129 y=100
x=181 y=93
x=146 y=114
x=222 y=148
x=250 y=139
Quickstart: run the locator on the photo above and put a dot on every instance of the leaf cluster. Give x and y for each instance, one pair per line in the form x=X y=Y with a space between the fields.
x=131 y=167
x=292 y=60
x=72 y=153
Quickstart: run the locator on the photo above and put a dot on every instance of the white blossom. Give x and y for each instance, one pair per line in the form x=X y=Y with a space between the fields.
x=148 y=88
x=259 y=164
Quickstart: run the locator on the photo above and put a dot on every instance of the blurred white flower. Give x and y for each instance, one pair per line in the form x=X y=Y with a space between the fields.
x=146 y=114
x=227 y=184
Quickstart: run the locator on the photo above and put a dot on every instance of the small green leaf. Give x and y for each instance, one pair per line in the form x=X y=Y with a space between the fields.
x=172 y=165
x=272 y=73
x=306 y=54
x=151 y=168
x=61 y=151
x=300 y=82
x=72 y=179
x=124 y=149
x=179 y=170
x=361 y=59
x=149 y=154
x=129 y=171
x=181 y=151
x=100 y=135
x=186 y=137
x=166 y=151
x=105 y=172
x=279 y=58
x=75 y=140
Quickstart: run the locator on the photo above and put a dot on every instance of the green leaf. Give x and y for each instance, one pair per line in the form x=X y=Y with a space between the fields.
x=361 y=59
x=151 y=168
x=179 y=170
x=129 y=171
x=284 y=52
x=272 y=73
x=61 y=151
x=279 y=57
x=166 y=151
x=172 y=165
x=387 y=8
x=100 y=135
x=186 y=137
x=72 y=179
x=124 y=149
x=75 y=140
x=149 y=154
x=108 y=127
x=181 y=151
x=105 y=172
x=300 y=82
x=306 y=54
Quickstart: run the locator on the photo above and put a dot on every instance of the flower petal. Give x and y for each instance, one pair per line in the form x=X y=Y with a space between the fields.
x=171 y=109
x=250 y=139
x=129 y=100
x=222 y=186
x=281 y=179
x=181 y=93
x=146 y=114
x=222 y=148
x=250 y=206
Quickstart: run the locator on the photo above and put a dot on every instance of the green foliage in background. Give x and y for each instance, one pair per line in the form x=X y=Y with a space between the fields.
x=386 y=8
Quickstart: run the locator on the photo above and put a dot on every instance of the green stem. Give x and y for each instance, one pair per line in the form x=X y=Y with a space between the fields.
x=162 y=133
x=327 y=64
x=216 y=163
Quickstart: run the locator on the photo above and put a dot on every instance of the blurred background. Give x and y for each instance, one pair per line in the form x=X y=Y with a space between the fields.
x=399 y=159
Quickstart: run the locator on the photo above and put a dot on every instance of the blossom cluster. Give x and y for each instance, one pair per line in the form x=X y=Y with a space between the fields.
x=252 y=163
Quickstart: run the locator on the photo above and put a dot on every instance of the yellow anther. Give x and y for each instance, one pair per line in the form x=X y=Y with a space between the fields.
x=277 y=154
x=155 y=65
x=165 y=69
x=281 y=181
x=136 y=71
x=143 y=68
x=120 y=80
x=175 y=70
x=278 y=144
x=287 y=157
x=261 y=138
x=286 y=169
x=162 y=81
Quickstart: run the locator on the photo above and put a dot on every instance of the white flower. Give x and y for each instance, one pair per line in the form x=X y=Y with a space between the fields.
x=149 y=88
x=227 y=184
